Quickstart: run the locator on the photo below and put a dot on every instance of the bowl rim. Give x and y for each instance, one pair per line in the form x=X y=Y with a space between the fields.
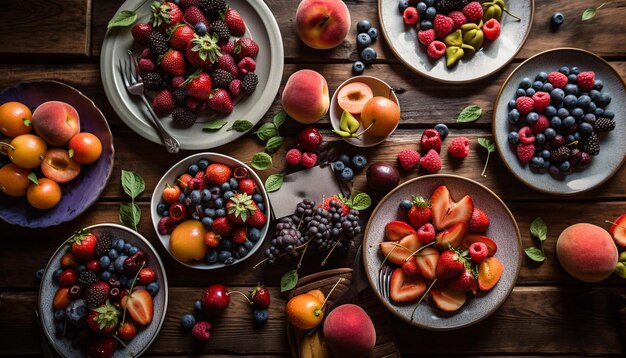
x=517 y=268
x=154 y=201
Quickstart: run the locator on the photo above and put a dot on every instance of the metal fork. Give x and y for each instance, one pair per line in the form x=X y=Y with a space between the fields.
x=384 y=277
x=134 y=85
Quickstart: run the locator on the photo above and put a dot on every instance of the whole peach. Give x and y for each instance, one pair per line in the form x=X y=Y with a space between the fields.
x=587 y=252
x=349 y=332
x=305 y=97
x=322 y=24
x=56 y=122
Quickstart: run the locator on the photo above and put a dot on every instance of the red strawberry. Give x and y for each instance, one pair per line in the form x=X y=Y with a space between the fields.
x=420 y=212
x=479 y=222
x=541 y=100
x=409 y=159
x=258 y=219
x=478 y=252
x=227 y=63
x=425 y=37
x=165 y=15
x=139 y=305
x=222 y=226
x=431 y=162
x=525 y=152
x=557 y=79
x=426 y=261
x=403 y=288
x=235 y=23
x=396 y=230
x=199 y=86
x=524 y=105
x=83 y=245
x=540 y=125
x=140 y=32
x=194 y=15
x=180 y=36
x=246 y=65
x=240 y=235
x=426 y=233
x=446 y=212
x=431 y=139
x=449 y=265
x=128 y=330
x=443 y=25
x=173 y=62
x=246 y=47
x=202 y=51
x=102 y=348
x=103 y=319
x=458 y=18
x=239 y=207
x=586 y=80
x=67 y=278
x=260 y=297
x=463 y=282
x=410 y=267
x=459 y=147
x=398 y=252
x=146 y=275
x=218 y=174
x=436 y=49
x=247 y=185
x=326 y=204
x=220 y=101
x=491 y=29
x=97 y=294
x=473 y=12
x=228 y=48
x=163 y=103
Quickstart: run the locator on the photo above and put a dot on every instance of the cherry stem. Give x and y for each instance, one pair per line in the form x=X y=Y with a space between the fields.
x=422 y=298
x=328 y=295
x=366 y=129
x=485 y=167
x=132 y=354
x=614 y=223
x=4 y=146
x=331 y=251
x=326 y=18
x=130 y=292
x=306 y=246
x=418 y=250
x=515 y=17
x=241 y=293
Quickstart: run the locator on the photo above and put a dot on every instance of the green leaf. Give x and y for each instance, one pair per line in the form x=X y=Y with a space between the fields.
x=70 y=152
x=274 y=182
x=274 y=143
x=214 y=124
x=535 y=254
x=361 y=201
x=487 y=144
x=132 y=183
x=130 y=214
x=241 y=126
x=279 y=119
x=469 y=114
x=289 y=280
x=261 y=161
x=122 y=19
x=267 y=131
x=589 y=13
x=539 y=229
x=33 y=177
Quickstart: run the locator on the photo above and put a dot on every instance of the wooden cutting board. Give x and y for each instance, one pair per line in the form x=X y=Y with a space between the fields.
x=385 y=340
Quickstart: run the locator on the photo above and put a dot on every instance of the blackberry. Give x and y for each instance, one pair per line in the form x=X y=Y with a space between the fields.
x=184 y=117
x=87 y=278
x=249 y=82
x=604 y=124
x=221 y=78
x=180 y=97
x=157 y=42
x=103 y=245
x=592 y=145
x=152 y=80
x=221 y=29
x=445 y=6
x=212 y=8
x=560 y=154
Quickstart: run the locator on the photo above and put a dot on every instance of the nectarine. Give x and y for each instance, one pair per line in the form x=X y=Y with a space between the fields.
x=187 y=241
x=349 y=331
x=322 y=24
x=305 y=97
x=56 y=122
x=382 y=114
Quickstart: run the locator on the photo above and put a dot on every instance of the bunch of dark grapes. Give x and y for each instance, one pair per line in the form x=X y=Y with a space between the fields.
x=350 y=223
x=285 y=242
x=342 y=228
x=319 y=228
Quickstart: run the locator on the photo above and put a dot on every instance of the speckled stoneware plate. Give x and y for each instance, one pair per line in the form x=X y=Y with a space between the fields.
x=170 y=177
x=492 y=57
x=80 y=193
x=379 y=88
x=612 y=144
x=145 y=335
x=503 y=230
x=261 y=26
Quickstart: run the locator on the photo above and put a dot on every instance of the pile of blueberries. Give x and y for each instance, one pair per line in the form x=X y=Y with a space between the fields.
x=345 y=166
x=366 y=35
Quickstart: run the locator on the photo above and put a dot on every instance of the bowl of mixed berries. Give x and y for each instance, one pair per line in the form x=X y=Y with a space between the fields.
x=103 y=293
x=210 y=210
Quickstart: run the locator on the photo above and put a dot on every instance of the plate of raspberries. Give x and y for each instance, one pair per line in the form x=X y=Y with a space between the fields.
x=204 y=64
x=558 y=121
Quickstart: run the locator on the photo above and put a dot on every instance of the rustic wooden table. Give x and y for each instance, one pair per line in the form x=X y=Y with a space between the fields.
x=547 y=314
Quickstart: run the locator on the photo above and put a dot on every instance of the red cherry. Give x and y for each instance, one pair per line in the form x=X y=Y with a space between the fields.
x=215 y=298
x=309 y=139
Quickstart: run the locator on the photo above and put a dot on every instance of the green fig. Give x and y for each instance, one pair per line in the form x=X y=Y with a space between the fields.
x=454 y=38
x=348 y=123
x=492 y=11
x=343 y=121
x=469 y=26
x=473 y=38
x=620 y=269
x=453 y=54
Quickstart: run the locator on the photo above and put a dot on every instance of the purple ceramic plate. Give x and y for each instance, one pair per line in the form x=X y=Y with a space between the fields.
x=80 y=193
x=502 y=229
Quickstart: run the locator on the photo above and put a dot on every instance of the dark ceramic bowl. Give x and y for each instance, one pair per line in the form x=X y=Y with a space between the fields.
x=80 y=193
x=502 y=229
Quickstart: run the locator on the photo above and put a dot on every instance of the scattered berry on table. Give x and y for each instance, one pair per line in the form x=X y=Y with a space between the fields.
x=431 y=139
x=357 y=68
x=431 y=162
x=557 y=20
x=459 y=147
x=347 y=174
x=409 y=159
x=358 y=162
x=308 y=159
x=368 y=55
x=260 y=316
x=39 y=273
x=373 y=32
x=201 y=331
x=338 y=166
x=442 y=129
x=293 y=156
x=363 y=26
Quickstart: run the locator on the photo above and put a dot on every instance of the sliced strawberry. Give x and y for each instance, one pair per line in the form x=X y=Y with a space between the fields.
x=461 y=211
x=426 y=261
x=469 y=239
x=439 y=205
x=139 y=305
x=452 y=237
x=403 y=288
x=618 y=230
x=447 y=299
x=396 y=230
x=489 y=273
x=398 y=251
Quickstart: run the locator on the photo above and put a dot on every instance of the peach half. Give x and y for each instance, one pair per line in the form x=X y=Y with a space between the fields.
x=353 y=96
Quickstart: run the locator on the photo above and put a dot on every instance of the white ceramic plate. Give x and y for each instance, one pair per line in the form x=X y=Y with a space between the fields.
x=261 y=26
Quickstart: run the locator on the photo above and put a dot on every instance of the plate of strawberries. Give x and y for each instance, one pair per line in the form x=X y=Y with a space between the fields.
x=104 y=293
x=204 y=66
x=442 y=252
x=456 y=41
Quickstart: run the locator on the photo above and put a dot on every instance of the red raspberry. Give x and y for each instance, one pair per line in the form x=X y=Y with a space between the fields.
x=478 y=252
x=308 y=159
x=524 y=105
x=228 y=48
x=234 y=87
x=166 y=225
x=436 y=49
x=293 y=156
x=526 y=135
x=431 y=162
x=177 y=82
x=145 y=53
x=410 y=15
x=586 y=80
x=246 y=65
x=491 y=29
x=145 y=65
x=431 y=139
x=409 y=159
x=557 y=79
x=459 y=147
x=541 y=100
x=410 y=267
x=473 y=12
x=425 y=37
x=458 y=18
x=443 y=25
x=201 y=331
x=426 y=233
x=525 y=152
x=540 y=125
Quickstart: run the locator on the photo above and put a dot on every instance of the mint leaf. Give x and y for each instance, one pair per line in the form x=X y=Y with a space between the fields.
x=487 y=144
x=214 y=124
x=274 y=182
x=130 y=214
x=261 y=161
x=279 y=119
x=122 y=19
x=469 y=114
x=273 y=144
x=535 y=254
x=361 y=201
x=589 y=13
x=289 y=280
x=241 y=126
x=132 y=183
x=267 y=131
x=539 y=229
x=33 y=177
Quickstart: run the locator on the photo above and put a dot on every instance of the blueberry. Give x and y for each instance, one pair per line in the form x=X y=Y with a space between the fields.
x=363 y=26
x=127 y=247
x=537 y=85
x=585 y=129
x=243 y=252
x=403 y=5
x=406 y=204
x=260 y=316
x=570 y=101
x=123 y=280
x=554 y=170
x=347 y=174
x=526 y=83
x=254 y=234
x=227 y=243
x=513 y=138
x=193 y=169
x=216 y=192
x=550 y=111
x=209 y=212
x=598 y=84
x=111 y=268
x=357 y=68
x=594 y=94
x=338 y=166
x=39 y=273
x=81 y=269
x=520 y=92
x=198 y=305
x=234 y=183
x=574 y=70
x=562 y=112
x=220 y=212
x=195 y=197
x=540 y=138
x=227 y=195
x=430 y=13
x=344 y=158
x=207 y=222
x=577 y=137
x=59 y=315
x=530 y=92
x=556 y=96
x=211 y=256
x=363 y=40
x=359 y=162
x=532 y=117
x=218 y=203
x=373 y=32
x=258 y=198
x=429 y=2
x=608 y=114
x=549 y=133
x=571 y=89
x=225 y=187
x=118 y=264
x=153 y=288
x=512 y=104
x=229 y=261
x=591 y=108
x=182 y=197
x=162 y=207
x=187 y=321
x=545 y=154
x=555 y=122
x=568 y=121
x=547 y=87
x=426 y=25
x=536 y=162
x=113 y=254
x=572 y=78
x=589 y=118
x=56 y=274
x=577 y=113
x=542 y=77
x=421 y=7
x=105 y=275
x=604 y=100
x=203 y=164
x=443 y=130
x=564 y=166
x=261 y=206
x=200 y=28
x=564 y=70
x=569 y=138
x=514 y=116
x=368 y=55
x=105 y=261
